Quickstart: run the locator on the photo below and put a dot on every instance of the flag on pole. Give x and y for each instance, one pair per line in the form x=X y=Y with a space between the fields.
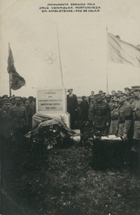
x=16 y=81
x=122 y=52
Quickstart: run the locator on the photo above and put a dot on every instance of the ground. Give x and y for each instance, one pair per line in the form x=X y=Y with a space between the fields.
x=63 y=181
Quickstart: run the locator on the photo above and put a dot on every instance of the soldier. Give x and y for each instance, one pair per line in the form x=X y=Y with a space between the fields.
x=126 y=90
x=19 y=117
x=136 y=136
x=101 y=115
x=84 y=109
x=31 y=111
x=5 y=121
x=91 y=102
x=103 y=95
x=91 y=97
x=125 y=129
x=114 y=117
x=125 y=117
x=12 y=101
x=6 y=140
x=72 y=106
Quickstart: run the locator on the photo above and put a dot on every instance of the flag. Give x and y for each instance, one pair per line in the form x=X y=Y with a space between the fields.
x=122 y=52
x=16 y=81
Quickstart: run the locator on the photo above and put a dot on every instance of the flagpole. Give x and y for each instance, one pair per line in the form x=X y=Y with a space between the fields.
x=59 y=56
x=10 y=93
x=107 y=83
x=9 y=74
x=107 y=62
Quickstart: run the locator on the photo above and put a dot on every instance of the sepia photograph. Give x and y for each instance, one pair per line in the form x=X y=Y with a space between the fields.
x=70 y=107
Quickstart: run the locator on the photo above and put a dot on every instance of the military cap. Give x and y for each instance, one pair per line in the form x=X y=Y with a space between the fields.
x=102 y=94
x=4 y=101
x=108 y=96
x=17 y=98
x=119 y=91
x=100 y=91
x=30 y=97
x=98 y=96
x=127 y=88
x=120 y=94
x=12 y=97
x=136 y=88
x=5 y=96
x=113 y=92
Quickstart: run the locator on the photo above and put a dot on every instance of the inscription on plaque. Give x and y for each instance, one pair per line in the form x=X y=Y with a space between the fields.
x=51 y=100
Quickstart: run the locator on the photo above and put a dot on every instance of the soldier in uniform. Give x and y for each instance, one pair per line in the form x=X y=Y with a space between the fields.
x=114 y=117
x=126 y=90
x=84 y=107
x=91 y=102
x=31 y=111
x=19 y=117
x=12 y=101
x=136 y=136
x=125 y=117
x=72 y=106
x=101 y=119
x=125 y=129
x=6 y=140
x=5 y=121
x=101 y=115
x=91 y=97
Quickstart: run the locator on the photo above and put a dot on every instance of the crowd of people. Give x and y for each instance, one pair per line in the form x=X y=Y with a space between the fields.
x=117 y=113
x=16 y=115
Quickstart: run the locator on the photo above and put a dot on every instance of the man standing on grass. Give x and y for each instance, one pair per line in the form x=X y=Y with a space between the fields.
x=72 y=107
x=101 y=115
x=125 y=128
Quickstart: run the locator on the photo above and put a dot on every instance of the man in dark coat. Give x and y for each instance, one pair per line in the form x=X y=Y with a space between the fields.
x=125 y=127
x=101 y=115
x=84 y=107
x=72 y=107
x=31 y=110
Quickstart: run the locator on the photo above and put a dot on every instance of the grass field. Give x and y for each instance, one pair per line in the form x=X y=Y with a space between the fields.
x=62 y=181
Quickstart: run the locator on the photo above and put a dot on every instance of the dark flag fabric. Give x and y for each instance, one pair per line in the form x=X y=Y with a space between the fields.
x=16 y=81
x=122 y=52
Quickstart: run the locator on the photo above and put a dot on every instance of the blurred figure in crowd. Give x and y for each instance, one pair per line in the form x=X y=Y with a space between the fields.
x=101 y=115
x=91 y=102
x=84 y=107
x=91 y=97
x=19 y=117
x=12 y=101
x=72 y=106
x=5 y=121
x=31 y=110
x=125 y=128
x=114 y=117
x=126 y=90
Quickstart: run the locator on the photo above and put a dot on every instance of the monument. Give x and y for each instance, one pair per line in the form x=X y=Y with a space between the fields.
x=53 y=102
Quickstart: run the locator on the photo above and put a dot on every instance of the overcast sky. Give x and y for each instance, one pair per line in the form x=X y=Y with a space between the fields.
x=83 y=45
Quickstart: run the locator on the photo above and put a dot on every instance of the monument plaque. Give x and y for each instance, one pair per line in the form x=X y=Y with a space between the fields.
x=53 y=103
x=51 y=100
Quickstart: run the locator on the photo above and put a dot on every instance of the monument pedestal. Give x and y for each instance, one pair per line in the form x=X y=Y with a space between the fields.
x=53 y=103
